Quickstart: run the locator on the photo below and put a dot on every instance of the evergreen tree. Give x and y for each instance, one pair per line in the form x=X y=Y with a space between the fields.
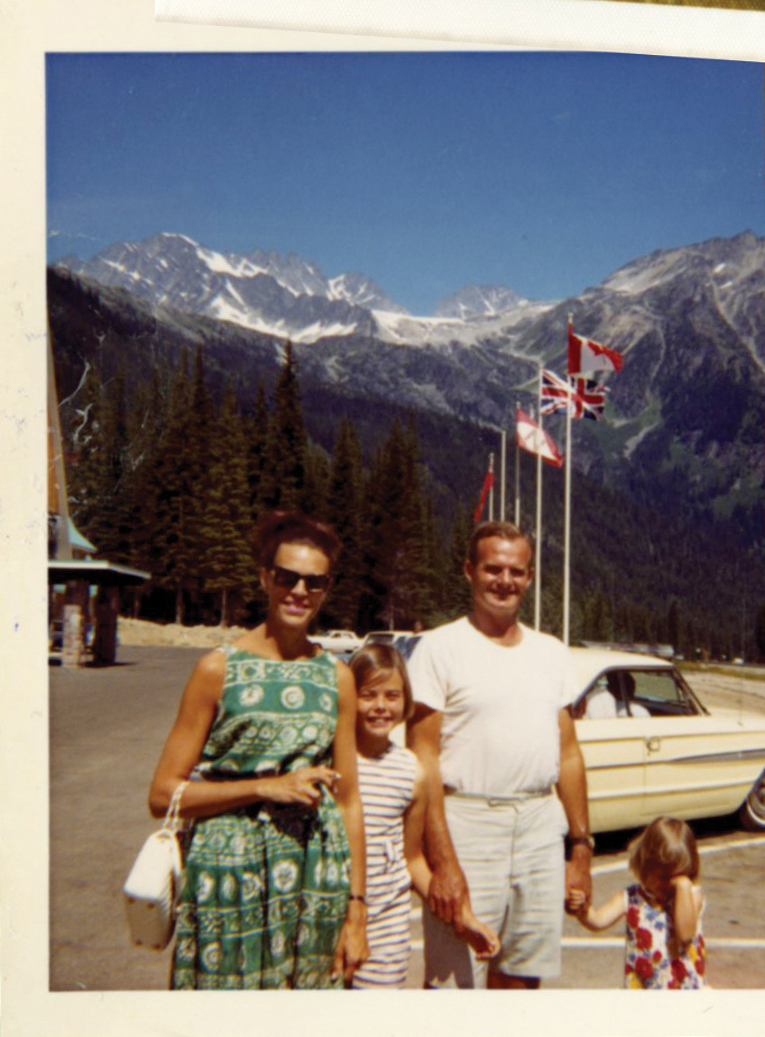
x=287 y=441
x=397 y=547
x=674 y=635
x=759 y=634
x=228 y=566
x=316 y=486
x=114 y=535
x=87 y=450
x=172 y=486
x=201 y=422
x=259 y=476
x=432 y=568
x=345 y=515
x=147 y=427
x=99 y=493
x=458 y=598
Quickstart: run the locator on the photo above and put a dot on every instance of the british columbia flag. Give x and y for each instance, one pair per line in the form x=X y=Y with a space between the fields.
x=586 y=396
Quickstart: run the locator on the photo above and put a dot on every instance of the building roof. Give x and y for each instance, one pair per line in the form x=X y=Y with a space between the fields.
x=96 y=572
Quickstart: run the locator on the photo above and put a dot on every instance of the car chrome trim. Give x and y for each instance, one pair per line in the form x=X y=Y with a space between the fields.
x=732 y=754
x=619 y=794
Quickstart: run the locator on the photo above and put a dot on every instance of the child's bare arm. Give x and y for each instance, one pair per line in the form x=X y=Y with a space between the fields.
x=596 y=918
x=687 y=907
x=414 y=828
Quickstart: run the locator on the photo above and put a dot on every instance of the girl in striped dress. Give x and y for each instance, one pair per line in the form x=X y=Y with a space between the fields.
x=392 y=788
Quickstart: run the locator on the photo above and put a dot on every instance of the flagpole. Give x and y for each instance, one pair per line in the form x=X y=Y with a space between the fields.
x=538 y=564
x=567 y=516
x=491 y=488
x=502 y=479
x=517 y=473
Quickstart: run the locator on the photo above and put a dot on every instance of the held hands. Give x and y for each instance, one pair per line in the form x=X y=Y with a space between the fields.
x=576 y=903
x=481 y=938
x=302 y=786
x=578 y=879
x=448 y=894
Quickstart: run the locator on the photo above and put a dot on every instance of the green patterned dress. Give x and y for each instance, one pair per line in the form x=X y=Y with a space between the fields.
x=266 y=886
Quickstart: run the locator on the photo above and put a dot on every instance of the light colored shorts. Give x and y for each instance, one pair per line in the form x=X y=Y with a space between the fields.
x=512 y=855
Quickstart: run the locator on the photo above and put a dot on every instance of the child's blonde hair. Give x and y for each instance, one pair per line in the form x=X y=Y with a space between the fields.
x=382 y=657
x=668 y=847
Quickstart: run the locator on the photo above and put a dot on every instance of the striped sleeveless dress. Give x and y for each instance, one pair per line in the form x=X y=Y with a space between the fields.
x=386 y=785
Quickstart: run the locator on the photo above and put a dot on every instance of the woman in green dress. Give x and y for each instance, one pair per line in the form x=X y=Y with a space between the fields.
x=273 y=892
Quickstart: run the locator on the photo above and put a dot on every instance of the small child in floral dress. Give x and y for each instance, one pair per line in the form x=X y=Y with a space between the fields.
x=665 y=948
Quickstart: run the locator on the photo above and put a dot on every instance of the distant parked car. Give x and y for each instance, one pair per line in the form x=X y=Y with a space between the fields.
x=337 y=641
x=661 y=751
x=402 y=640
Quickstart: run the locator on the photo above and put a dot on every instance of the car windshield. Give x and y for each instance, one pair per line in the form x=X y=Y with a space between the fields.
x=634 y=692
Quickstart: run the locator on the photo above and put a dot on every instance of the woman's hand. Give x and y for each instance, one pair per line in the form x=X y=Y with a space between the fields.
x=352 y=948
x=303 y=786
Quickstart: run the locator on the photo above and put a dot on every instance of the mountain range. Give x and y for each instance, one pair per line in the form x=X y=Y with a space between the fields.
x=686 y=410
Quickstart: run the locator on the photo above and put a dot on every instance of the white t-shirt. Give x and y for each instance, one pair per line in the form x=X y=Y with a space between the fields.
x=499 y=705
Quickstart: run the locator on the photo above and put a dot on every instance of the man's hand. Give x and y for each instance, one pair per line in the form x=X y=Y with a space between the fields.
x=448 y=894
x=578 y=880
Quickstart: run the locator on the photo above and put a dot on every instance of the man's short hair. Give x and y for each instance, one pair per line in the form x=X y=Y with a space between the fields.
x=503 y=530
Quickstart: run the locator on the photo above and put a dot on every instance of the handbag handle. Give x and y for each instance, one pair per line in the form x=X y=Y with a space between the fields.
x=172 y=818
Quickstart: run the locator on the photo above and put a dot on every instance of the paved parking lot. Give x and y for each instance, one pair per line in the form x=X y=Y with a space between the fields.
x=107 y=727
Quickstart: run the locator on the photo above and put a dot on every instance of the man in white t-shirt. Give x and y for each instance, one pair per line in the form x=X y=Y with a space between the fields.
x=493 y=730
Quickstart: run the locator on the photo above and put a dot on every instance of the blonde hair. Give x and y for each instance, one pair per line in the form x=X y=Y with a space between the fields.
x=668 y=847
x=376 y=657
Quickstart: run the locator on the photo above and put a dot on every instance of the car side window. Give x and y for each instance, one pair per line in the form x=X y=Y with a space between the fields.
x=657 y=692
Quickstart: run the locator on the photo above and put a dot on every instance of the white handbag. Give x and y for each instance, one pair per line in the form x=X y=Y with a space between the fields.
x=151 y=889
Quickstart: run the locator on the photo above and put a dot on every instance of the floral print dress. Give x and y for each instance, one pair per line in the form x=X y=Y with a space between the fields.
x=654 y=960
x=266 y=886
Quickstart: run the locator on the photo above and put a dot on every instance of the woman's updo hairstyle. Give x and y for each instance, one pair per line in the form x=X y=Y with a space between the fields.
x=292 y=527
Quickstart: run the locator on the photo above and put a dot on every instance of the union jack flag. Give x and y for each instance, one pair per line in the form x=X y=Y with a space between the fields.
x=585 y=396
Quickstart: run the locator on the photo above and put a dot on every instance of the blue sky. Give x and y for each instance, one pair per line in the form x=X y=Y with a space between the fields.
x=424 y=171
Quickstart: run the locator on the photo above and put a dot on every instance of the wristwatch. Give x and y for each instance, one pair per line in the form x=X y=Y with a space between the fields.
x=586 y=839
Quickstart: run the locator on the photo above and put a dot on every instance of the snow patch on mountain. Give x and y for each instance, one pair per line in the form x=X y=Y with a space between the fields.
x=479 y=301
x=632 y=443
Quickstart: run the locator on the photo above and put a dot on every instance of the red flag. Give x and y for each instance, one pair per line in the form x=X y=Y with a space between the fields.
x=585 y=356
x=535 y=440
x=487 y=485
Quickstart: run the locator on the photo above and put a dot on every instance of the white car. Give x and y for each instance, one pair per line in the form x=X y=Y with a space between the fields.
x=656 y=750
x=337 y=641
x=403 y=641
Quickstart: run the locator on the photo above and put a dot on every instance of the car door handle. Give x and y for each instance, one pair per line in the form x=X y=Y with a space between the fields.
x=653 y=744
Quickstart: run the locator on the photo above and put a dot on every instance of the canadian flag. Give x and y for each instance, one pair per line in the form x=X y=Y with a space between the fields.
x=534 y=439
x=584 y=355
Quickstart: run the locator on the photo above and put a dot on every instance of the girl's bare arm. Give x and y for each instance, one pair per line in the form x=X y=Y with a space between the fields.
x=687 y=908
x=481 y=938
x=603 y=917
x=414 y=833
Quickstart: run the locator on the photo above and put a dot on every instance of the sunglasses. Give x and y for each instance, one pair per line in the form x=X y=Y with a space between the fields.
x=288 y=578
